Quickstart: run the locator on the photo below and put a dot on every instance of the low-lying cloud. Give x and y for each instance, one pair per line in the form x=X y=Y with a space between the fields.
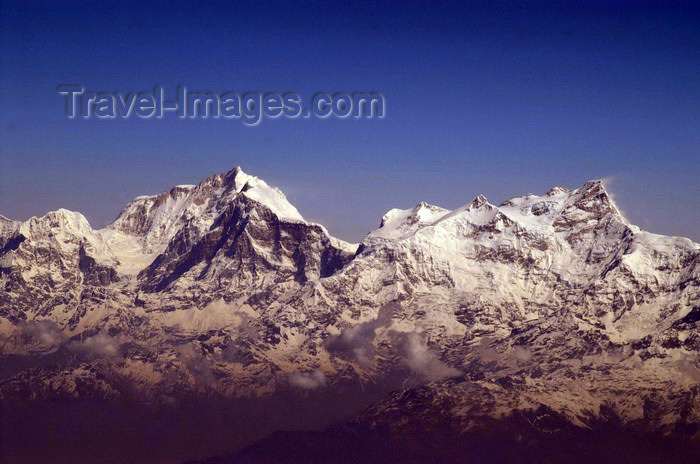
x=99 y=346
x=45 y=333
x=308 y=380
x=422 y=361
x=512 y=356
x=198 y=365
x=357 y=342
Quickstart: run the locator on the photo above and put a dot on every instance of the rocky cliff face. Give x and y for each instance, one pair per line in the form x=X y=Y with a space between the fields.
x=223 y=290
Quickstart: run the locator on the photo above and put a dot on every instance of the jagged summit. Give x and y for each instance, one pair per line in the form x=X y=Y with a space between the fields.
x=155 y=214
x=556 y=191
x=477 y=203
x=7 y=226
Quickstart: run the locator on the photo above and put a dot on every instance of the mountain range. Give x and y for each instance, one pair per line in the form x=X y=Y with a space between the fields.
x=547 y=325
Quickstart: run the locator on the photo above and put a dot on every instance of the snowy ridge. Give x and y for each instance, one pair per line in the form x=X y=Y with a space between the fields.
x=537 y=213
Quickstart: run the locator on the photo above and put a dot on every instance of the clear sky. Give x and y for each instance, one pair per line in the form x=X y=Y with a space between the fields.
x=497 y=98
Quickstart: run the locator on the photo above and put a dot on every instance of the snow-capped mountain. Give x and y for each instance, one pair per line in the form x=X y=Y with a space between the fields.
x=223 y=290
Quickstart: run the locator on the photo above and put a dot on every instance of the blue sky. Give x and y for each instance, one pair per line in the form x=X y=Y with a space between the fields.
x=502 y=99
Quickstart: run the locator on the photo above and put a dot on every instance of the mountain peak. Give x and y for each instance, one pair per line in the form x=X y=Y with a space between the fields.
x=477 y=203
x=592 y=185
x=401 y=222
x=235 y=178
x=7 y=224
x=594 y=198
x=63 y=219
x=146 y=213
x=60 y=222
x=554 y=191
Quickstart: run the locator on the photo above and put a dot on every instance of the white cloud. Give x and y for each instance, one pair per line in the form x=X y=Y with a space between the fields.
x=308 y=380
x=100 y=345
x=424 y=362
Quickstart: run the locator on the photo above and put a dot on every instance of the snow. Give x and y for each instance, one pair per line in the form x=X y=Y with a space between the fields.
x=273 y=198
x=216 y=315
x=399 y=224
x=128 y=250
x=7 y=226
